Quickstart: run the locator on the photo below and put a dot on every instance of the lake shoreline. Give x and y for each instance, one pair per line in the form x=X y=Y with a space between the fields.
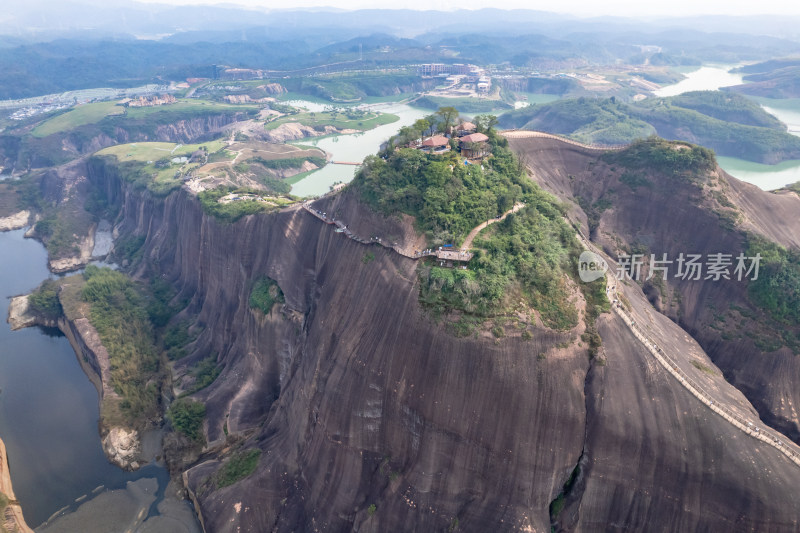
x=49 y=419
x=12 y=518
x=709 y=77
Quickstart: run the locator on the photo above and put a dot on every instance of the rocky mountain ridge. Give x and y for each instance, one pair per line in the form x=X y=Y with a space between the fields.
x=369 y=415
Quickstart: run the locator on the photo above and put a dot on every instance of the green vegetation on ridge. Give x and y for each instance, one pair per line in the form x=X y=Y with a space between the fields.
x=238 y=466
x=81 y=130
x=187 y=418
x=775 y=78
x=354 y=87
x=529 y=255
x=675 y=159
x=118 y=313
x=728 y=123
x=447 y=197
x=204 y=373
x=143 y=152
x=44 y=300
x=729 y=107
x=77 y=116
x=354 y=119
x=583 y=119
x=233 y=211
x=289 y=162
x=777 y=289
x=149 y=164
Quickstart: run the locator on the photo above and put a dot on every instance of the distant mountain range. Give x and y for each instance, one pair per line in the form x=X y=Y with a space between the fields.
x=48 y=48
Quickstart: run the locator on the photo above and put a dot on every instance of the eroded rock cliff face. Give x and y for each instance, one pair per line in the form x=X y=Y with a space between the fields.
x=30 y=152
x=184 y=131
x=355 y=395
x=370 y=417
x=673 y=216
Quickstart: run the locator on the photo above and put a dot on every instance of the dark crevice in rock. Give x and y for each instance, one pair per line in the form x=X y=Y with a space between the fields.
x=564 y=509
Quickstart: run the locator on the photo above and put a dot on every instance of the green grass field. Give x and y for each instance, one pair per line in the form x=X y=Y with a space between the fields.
x=95 y=112
x=340 y=120
x=297 y=177
x=77 y=116
x=161 y=180
x=153 y=151
x=188 y=106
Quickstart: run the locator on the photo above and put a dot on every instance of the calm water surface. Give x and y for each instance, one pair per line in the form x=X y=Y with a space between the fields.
x=767 y=177
x=353 y=147
x=48 y=407
x=356 y=146
x=705 y=78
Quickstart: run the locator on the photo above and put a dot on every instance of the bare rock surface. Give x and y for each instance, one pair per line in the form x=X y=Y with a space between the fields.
x=19 y=314
x=116 y=511
x=15 y=221
x=86 y=336
x=122 y=447
x=82 y=258
x=673 y=217
x=369 y=416
x=291 y=131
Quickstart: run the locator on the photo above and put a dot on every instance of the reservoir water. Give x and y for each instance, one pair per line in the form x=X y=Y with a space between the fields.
x=786 y=109
x=49 y=408
x=353 y=147
x=534 y=98
x=705 y=78
x=767 y=177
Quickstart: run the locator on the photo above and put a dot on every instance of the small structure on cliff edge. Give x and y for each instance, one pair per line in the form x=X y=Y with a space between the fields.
x=474 y=145
x=439 y=143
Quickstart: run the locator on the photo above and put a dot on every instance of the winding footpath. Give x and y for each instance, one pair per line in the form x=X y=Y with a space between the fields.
x=457 y=254
x=477 y=229
x=752 y=427
x=755 y=428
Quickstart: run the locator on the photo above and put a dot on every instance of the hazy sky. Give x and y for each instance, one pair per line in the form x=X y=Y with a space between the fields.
x=675 y=8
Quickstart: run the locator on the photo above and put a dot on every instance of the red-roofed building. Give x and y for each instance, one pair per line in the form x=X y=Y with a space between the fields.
x=473 y=145
x=437 y=143
x=465 y=128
